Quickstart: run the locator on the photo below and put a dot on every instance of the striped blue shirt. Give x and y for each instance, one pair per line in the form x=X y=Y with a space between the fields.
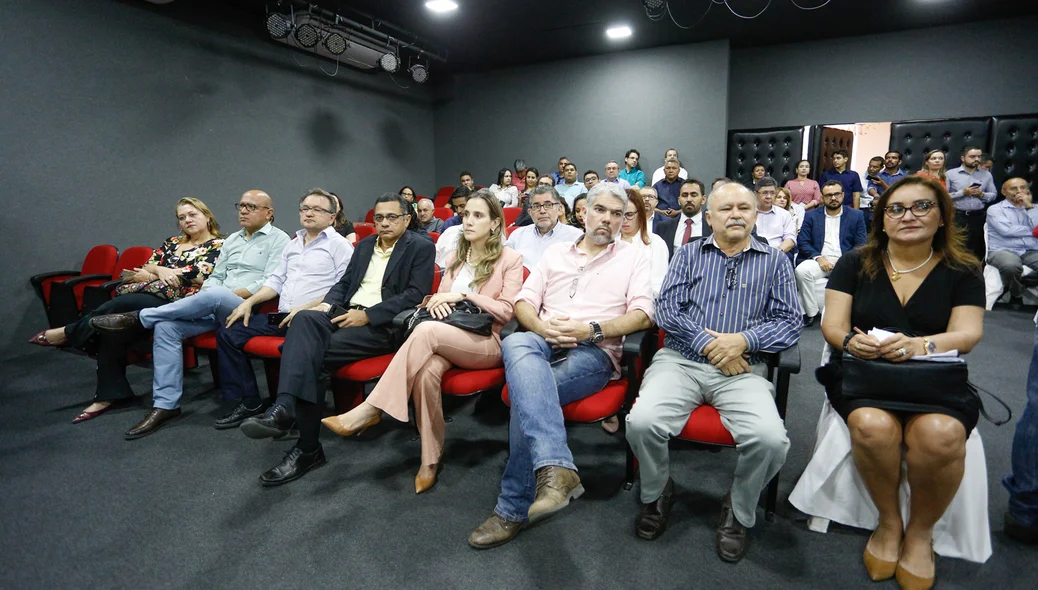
x=753 y=293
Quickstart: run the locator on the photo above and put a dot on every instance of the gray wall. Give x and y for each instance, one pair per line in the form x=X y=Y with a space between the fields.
x=591 y=110
x=970 y=70
x=112 y=112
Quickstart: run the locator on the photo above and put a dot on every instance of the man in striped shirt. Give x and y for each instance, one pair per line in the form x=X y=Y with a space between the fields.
x=727 y=298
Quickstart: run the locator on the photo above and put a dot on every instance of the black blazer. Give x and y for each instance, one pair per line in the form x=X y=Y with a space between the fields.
x=668 y=229
x=408 y=278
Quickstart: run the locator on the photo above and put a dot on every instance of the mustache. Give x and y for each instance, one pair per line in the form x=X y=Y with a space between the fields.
x=735 y=223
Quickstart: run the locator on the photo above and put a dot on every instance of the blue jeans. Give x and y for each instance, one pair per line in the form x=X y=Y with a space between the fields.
x=541 y=381
x=175 y=322
x=1022 y=483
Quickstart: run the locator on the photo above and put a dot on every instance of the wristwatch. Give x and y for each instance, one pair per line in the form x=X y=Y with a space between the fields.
x=596 y=333
x=928 y=344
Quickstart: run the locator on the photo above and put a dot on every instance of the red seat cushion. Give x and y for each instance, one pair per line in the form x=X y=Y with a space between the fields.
x=265 y=346
x=594 y=407
x=468 y=382
x=205 y=341
x=704 y=425
x=365 y=370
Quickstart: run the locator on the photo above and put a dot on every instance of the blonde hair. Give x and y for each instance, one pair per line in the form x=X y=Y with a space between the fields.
x=210 y=219
x=789 y=197
x=484 y=266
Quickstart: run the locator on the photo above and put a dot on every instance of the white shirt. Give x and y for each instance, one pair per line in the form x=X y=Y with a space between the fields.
x=531 y=244
x=831 y=247
x=776 y=226
x=462 y=283
x=623 y=183
x=508 y=196
x=658 y=175
x=697 y=228
x=448 y=243
x=658 y=256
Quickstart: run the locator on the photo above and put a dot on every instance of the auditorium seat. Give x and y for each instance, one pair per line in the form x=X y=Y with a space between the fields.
x=435 y=235
x=914 y=138
x=364 y=230
x=511 y=214
x=443 y=196
x=369 y=217
x=98 y=265
x=207 y=343
x=95 y=295
x=704 y=427
x=778 y=150
x=1014 y=146
x=509 y=230
x=443 y=213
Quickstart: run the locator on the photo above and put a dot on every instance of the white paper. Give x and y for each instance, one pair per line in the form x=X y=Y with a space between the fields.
x=950 y=356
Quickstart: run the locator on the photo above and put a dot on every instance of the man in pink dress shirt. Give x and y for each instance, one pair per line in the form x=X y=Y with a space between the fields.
x=577 y=306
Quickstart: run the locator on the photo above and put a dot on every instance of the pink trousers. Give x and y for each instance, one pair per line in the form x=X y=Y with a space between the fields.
x=417 y=369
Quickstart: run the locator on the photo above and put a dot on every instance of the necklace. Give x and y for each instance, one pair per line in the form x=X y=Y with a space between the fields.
x=894 y=276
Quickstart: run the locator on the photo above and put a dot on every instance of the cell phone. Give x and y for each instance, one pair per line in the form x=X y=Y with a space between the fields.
x=975 y=185
x=559 y=356
x=275 y=319
x=336 y=311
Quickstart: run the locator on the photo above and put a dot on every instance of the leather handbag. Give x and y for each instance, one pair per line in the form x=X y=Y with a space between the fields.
x=466 y=315
x=913 y=386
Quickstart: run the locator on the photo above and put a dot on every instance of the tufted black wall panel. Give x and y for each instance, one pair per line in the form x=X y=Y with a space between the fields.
x=1014 y=146
x=778 y=149
x=915 y=138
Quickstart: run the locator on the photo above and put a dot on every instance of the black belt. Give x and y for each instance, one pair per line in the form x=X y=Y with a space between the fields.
x=969 y=212
x=360 y=307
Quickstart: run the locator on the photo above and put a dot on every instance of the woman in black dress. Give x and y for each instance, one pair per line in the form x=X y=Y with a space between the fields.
x=913 y=277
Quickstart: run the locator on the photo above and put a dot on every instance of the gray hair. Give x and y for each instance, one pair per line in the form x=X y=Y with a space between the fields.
x=764 y=183
x=612 y=162
x=649 y=189
x=675 y=160
x=546 y=190
x=426 y=199
x=606 y=188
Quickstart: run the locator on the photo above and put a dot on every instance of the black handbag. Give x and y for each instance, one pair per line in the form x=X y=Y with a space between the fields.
x=913 y=386
x=466 y=315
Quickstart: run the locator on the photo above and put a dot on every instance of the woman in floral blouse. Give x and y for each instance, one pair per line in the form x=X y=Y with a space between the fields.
x=175 y=270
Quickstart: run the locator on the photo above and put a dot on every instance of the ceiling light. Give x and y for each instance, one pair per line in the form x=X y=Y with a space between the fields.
x=336 y=43
x=278 y=25
x=441 y=5
x=419 y=73
x=389 y=62
x=307 y=35
x=620 y=32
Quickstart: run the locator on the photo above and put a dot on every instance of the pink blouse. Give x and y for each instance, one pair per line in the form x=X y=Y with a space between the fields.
x=806 y=193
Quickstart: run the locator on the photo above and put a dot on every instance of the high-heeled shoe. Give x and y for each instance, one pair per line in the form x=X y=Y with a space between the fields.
x=41 y=340
x=878 y=569
x=909 y=581
x=424 y=484
x=84 y=415
x=334 y=424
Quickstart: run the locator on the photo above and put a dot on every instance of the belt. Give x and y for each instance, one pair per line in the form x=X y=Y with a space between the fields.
x=969 y=211
x=360 y=307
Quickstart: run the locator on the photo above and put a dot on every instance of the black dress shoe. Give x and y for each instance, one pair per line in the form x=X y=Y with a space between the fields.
x=294 y=466
x=152 y=422
x=274 y=423
x=1027 y=535
x=237 y=415
x=122 y=324
x=652 y=521
x=732 y=538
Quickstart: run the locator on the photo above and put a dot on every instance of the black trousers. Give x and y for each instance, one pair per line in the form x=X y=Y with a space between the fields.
x=111 y=352
x=973 y=223
x=314 y=344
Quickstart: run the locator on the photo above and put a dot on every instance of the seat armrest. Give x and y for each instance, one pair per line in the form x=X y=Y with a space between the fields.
x=638 y=343
x=72 y=282
x=400 y=321
x=38 y=279
x=108 y=286
x=510 y=328
x=789 y=360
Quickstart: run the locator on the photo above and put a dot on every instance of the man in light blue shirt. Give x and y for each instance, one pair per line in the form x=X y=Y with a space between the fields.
x=971 y=189
x=532 y=240
x=570 y=188
x=612 y=174
x=247 y=258
x=310 y=266
x=1011 y=244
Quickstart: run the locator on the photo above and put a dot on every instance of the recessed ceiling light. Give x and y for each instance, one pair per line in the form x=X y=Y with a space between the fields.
x=441 y=5
x=620 y=32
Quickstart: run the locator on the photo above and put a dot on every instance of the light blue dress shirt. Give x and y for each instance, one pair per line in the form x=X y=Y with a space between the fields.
x=1010 y=227
x=308 y=271
x=245 y=263
x=959 y=179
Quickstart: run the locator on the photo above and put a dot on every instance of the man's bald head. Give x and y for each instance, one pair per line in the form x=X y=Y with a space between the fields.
x=1016 y=190
x=255 y=209
x=426 y=208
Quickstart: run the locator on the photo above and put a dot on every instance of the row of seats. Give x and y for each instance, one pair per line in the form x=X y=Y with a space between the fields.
x=445 y=213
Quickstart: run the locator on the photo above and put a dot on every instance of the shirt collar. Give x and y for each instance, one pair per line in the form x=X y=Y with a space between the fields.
x=754 y=244
x=826 y=213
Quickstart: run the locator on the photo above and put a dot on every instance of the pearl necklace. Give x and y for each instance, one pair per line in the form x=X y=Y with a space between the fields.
x=897 y=273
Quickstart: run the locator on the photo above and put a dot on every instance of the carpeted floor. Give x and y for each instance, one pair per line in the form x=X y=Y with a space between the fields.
x=82 y=508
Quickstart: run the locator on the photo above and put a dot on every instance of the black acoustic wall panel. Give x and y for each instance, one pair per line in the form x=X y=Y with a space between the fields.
x=915 y=138
x=778 y=149
x=1014 y=146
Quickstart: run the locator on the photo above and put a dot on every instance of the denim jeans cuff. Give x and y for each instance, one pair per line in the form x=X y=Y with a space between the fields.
x=555 y=463
x=507 y=516
x=165 y=405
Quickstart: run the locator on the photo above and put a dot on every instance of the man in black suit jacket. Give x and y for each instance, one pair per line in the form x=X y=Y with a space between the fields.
x=691 y=199
x=389 y=273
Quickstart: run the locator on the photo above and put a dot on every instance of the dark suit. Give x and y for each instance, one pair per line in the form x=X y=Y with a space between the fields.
x=313 y=341
x=668 y=229
x=812 y=233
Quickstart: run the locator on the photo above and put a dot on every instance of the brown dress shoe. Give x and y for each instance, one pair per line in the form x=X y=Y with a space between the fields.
x=652 y=520
x=909 y=581
x=556 y=486
x=878 y=569
x=152 y=422
x=732 y=538
x=424 y=484
x=495 y=532
x=123 y=324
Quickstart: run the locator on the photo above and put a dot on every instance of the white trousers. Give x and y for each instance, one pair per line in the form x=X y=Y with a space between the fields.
x=811 y=281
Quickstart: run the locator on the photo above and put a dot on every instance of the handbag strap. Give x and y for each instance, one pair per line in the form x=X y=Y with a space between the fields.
x=983 y=412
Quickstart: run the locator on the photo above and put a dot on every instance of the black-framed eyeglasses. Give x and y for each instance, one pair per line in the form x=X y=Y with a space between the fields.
x=542 y=206
x=919 y=209
x=839 y=194
x=307 y=209
x=250 y=207
x=391 y=218
x=630 y=215
x=731 y=278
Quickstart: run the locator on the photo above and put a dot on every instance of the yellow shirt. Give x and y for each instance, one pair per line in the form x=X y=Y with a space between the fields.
x=369 y=293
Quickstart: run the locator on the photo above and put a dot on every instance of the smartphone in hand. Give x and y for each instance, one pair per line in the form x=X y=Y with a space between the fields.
x=275 y=319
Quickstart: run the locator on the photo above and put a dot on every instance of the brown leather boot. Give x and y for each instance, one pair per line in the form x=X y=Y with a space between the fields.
x=556 y=486
x=495 y=532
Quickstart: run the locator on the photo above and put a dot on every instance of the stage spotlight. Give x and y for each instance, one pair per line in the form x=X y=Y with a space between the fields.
x=307 y=35
x=389 y=62
x=278 y=25
x=419 y=73
x=654 y=4
x=336 y=44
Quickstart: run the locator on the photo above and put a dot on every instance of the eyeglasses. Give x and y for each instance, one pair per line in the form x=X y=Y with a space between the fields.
x=730 y=267
x=630 y=215
x=542 y=206
x=919 y=209
x=573 y=286
x=839 y=194
x=249 y=207
x=307 y=209
x=391 y=218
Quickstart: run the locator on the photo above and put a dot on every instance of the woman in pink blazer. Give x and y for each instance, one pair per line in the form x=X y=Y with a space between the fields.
x=481 y=270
